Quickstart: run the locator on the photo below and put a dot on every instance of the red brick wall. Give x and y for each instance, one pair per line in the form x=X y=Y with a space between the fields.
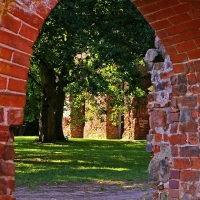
x=136 y=122
x=19 y=28
x=176 y=23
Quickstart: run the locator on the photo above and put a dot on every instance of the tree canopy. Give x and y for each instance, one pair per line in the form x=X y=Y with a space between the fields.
x=88 y=46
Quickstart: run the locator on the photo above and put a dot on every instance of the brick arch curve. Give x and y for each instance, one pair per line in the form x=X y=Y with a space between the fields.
x=175 y=22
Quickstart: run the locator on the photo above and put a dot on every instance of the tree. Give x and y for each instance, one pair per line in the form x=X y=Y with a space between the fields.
x=107 y=33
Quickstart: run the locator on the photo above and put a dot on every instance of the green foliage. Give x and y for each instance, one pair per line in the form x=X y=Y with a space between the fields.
x=79 y=160
x=92 y=46
x=33 y=95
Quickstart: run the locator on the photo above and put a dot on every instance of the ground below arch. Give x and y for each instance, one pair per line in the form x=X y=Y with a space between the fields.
x=86 y=191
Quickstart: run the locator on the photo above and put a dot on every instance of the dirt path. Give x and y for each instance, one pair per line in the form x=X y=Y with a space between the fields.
x=89 y=191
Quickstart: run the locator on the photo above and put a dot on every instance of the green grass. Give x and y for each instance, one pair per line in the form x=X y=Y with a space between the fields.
x=79 y=160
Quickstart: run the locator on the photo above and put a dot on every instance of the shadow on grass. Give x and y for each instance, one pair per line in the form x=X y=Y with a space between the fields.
x=80 y=160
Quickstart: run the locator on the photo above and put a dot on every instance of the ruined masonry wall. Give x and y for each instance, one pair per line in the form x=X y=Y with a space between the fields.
x=174 y=123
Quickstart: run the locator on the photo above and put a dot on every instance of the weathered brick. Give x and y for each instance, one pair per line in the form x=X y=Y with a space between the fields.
x=21 y=59
x=174 y=174
x=165 y=13
x=8 y=169
x=192 y=190
x=4 y=135
x=189 y=151
x=157 y=118
x=4 y=128
x=174 y=117
x=13 y=70
x=178 y=19
x=197 y=65
x=185 y=46
x=189 y=67
x=194 y=54
x=11 y=186
x=11 y=23
x=1 y=115
x=3 y=188
x=192 y=138
x=165 y=4
x=197 y=41
x=195 y=89
x=158 y=137
x=16 y=42
x=166 y=138
x=174 y=193
x=174 y=128
x=52 y=3
x=189 y=101
x=181 y=79
x=43 y=10
x=190 y=127
x=189 y=175
x=195 y=163
x=173 y=184
x=198 y=77
x=178 y=68
x=5 y=53
x=156 y=148
x=17 y=85
x=194 y=14
x=182 y=163
x=161 y=33
x=2 y=148
x=171 y=49
x=173 y=79
x=179 y=90
x=15 y=117
x=32 y=19
x=174 y=151
x=150 y=18
x=29 y=32
x=166 y=75
x=12 y=100
x=191 y=24
x=174 y=102
x=179 y=58
x=194 y=114
x=146 y=9
x=178 y=139
x=172 y=40
x=191 y=79
x=3 y=83
x=9 y=153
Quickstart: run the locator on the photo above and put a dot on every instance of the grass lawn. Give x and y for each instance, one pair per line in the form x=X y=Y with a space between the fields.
x=79 y=160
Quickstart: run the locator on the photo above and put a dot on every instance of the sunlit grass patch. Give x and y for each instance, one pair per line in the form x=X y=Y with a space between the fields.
x=79 y=160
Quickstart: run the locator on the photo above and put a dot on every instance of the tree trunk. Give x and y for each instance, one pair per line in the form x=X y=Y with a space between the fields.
x=47 y=124
x=60 y=99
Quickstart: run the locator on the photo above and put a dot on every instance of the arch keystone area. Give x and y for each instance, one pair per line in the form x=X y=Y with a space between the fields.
x=173 y=104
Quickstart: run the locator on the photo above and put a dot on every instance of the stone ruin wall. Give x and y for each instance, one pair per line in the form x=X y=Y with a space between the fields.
x=173 y=136
x=135 y=126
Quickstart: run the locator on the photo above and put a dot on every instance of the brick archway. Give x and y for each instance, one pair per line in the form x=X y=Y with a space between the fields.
x=175 y=22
